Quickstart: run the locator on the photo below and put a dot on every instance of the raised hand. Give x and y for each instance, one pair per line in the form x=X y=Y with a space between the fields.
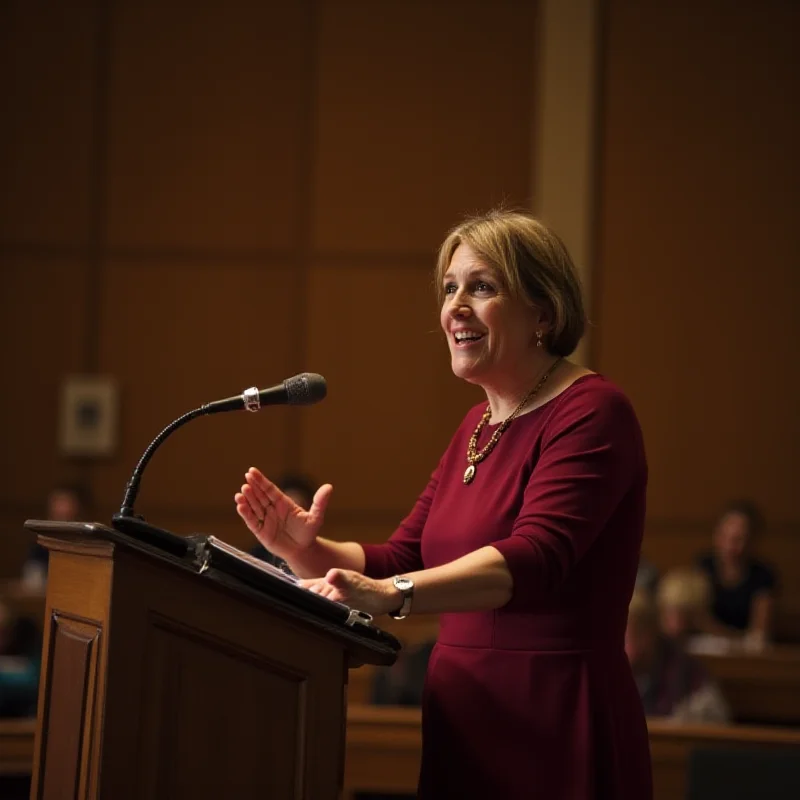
x=282 y=526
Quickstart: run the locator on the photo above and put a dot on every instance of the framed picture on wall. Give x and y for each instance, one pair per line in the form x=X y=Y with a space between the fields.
x=88 y=416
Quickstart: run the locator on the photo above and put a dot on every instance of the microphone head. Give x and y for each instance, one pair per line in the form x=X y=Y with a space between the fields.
x=305 y=389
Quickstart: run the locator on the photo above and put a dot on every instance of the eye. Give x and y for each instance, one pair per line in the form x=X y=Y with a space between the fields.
x=449 y=288
x=483 y=287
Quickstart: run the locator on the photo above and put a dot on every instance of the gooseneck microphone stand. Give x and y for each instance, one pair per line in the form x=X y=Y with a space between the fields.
x=126 y=521
x=304 y=389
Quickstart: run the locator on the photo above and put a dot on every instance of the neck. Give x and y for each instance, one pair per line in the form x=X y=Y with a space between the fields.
x=730 y=566
x=507 y=392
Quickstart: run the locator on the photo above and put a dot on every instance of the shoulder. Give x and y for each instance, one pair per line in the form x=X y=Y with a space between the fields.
x=762 y=576
x=593 y=401
x=595 y=392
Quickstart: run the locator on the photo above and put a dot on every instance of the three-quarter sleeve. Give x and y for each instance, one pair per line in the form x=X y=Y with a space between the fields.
x=402 y=551
x=591 y=456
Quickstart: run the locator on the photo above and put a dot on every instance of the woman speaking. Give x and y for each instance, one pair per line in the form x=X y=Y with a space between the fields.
x=526 y=540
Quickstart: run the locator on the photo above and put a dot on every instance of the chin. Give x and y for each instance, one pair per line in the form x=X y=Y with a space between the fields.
x=470 y=373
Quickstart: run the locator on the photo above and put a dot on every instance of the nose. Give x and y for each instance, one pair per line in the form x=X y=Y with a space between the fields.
x=459 y=307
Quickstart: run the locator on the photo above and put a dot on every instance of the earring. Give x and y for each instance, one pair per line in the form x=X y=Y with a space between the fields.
x=538 y=338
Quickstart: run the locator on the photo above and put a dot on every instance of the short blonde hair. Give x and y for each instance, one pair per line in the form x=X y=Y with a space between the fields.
x=684 y=588
x=534 y=264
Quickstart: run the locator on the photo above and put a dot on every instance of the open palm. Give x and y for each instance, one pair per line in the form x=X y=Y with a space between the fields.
x=282 y=526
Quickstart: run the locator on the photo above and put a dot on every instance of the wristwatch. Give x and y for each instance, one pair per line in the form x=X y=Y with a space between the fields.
x=406 y=586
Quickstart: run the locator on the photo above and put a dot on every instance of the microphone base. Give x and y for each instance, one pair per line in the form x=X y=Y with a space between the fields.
x=160 y=538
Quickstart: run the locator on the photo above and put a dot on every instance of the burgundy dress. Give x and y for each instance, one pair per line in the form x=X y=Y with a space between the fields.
x=536 y=699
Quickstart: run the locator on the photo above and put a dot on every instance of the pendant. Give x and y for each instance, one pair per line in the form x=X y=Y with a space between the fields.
x=469 y=473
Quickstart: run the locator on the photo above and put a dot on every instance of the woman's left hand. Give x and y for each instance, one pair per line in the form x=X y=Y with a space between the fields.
x=372 y=596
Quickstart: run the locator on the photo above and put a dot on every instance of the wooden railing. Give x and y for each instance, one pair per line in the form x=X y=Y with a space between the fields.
x=384 y=744
x=761 y=688
x=16 y=746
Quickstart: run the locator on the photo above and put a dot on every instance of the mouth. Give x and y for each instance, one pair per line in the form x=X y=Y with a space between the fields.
x=465 y=339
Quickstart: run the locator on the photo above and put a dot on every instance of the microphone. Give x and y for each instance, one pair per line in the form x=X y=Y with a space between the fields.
x=301 y=390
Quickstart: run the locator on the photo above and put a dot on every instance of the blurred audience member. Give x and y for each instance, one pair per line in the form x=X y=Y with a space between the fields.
x=671 y=683
x=400 y=685
x=646 y=576
x=743 y=588
x=301 y=490
x=683 y=598
x=20 y=662
x=65 y=503
x=403 y=682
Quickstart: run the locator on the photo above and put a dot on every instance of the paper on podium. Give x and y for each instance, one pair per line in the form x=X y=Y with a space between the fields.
x=215 y=543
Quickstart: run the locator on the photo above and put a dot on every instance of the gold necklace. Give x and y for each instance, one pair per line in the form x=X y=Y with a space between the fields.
x=474 y=456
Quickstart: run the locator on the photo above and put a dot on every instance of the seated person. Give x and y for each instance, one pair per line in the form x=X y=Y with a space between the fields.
x=299 y=489
x=400 y=685
x=65 y=503
x=672 y=684
x=683 y=598
x=743 y=588
x=403 y=682
x=646 y=576
x=20 y=662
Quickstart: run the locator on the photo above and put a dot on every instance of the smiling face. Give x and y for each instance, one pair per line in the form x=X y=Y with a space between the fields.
x=490 y=333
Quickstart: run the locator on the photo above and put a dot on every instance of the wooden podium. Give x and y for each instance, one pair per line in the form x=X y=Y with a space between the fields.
x=162 y=681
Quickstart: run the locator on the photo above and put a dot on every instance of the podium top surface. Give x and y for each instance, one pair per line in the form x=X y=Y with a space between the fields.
x=207 y=559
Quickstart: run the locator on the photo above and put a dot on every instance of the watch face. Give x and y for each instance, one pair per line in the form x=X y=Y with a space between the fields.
x=404 y=584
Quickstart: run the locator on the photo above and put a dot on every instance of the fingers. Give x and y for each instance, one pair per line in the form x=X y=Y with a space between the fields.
x=316 y=514
x=244 y=508
x=256 y=491
x=257 y=500
x=339 y=578
x=266 y=490
x=321 y=587
x=257 y=506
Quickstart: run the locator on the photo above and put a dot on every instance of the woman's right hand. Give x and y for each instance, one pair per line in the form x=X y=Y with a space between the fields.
x=282 y=526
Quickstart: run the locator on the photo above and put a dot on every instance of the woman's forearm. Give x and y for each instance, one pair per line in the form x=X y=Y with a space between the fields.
x=326 y=554
x=478 y=581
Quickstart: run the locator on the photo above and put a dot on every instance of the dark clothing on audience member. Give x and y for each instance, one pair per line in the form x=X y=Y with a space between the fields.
x=403 y=682
x=38 y=555
x=679 y=686
x=19 y=670
x=731 y=605
x=646 y=576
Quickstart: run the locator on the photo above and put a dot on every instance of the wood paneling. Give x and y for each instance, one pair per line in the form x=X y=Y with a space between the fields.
x=393 y=404
x=47 y=91
x=697 y=298
x=42 y=310
x=423 y=116
x=16 y=746
x=72 y=689
x=178 y=336
x=202 y=687
x=181 y=665
x=206 y=124
x=69 y=692
x=251 y=161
